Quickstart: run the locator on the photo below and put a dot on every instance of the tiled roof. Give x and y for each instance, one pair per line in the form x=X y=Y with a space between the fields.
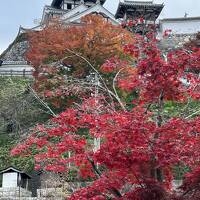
x=135 y=7
x=56 y=3
x=97 y=8
x=139 y=3
x=15 y=170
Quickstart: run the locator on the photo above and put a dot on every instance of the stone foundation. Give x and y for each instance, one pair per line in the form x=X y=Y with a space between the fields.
x=175 y=41
x=50 y=192
x=22 y=194
x=28 y=198
x=14 y=192
x=16 y=52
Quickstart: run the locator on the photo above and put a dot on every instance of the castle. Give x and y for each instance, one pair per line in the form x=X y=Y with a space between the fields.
x=70 y=12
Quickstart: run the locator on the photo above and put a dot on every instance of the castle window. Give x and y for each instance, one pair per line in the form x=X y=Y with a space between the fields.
x=69 y=6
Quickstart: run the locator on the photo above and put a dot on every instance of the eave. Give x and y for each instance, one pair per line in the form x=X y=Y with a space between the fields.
x=136 y=8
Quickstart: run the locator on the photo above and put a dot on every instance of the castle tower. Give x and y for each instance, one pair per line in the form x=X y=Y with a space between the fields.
x=136 y=9
x=59 y=7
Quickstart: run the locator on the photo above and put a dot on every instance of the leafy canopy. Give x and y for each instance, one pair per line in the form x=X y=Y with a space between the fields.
x=140 y=146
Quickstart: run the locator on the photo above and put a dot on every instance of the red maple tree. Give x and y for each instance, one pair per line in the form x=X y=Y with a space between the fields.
x=139 y=146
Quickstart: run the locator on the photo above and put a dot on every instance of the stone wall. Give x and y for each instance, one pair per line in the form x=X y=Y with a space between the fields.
x=175 y=41
x=50 y=193
x=28 y=198
x=22 y=194
x=16 y=52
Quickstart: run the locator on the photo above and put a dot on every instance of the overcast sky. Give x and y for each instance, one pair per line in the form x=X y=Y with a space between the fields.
x=23 y=12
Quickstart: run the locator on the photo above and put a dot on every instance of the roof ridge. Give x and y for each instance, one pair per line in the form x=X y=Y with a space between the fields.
x=14 y=169
x=92 y=7
x=180 y=18
x=149 y=3
x=138 y=1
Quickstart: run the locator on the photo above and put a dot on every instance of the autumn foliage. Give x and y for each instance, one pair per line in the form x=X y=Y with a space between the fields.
x=52 y=54
x=139 y=146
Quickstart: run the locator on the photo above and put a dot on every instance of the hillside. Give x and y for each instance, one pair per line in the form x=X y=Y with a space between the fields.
x=19 y=112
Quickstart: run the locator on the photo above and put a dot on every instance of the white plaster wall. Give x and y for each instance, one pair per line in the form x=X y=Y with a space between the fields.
x=7 y=70
x=16 y=68
x=98 y=9
x=74 y=11
x=182 y=27
x=9 y=180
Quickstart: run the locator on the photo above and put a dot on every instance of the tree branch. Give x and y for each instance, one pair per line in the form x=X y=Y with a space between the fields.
x=114 y=88
x=98 y=173
x=96 y=71
x=42 y=102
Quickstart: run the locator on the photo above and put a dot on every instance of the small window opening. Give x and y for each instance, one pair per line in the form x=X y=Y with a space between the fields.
x=69 y=6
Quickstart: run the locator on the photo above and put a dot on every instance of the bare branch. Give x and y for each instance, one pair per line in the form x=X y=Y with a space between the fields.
x=115 y=90
x=96 y=71
x=42 y=102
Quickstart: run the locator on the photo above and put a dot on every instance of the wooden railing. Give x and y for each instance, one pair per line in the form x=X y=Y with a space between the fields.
x=23 y=73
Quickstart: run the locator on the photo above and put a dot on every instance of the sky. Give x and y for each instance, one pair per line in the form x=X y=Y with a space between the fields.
x=24 y=12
